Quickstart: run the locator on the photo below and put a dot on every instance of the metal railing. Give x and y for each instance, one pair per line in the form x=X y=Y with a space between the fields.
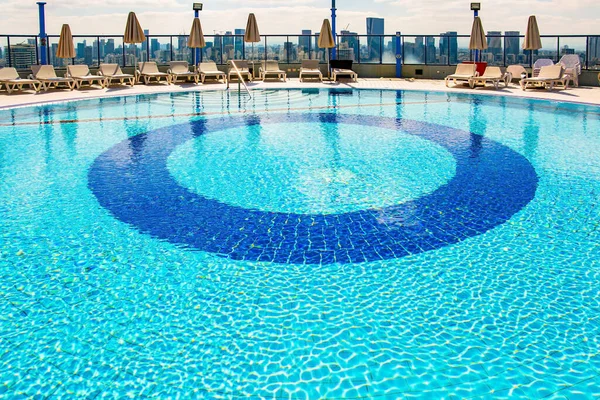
x=240 y=79
x=21 y=51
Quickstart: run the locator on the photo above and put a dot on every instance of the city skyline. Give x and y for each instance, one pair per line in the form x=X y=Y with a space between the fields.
x=279 y=17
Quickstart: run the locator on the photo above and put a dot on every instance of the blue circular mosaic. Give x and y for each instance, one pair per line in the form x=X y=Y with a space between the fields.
x=492 y=183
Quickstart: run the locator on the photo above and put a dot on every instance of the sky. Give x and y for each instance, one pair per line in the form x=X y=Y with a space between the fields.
x=291 y=16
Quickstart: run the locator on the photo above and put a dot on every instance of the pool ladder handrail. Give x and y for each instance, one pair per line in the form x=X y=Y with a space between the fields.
x=240 y=79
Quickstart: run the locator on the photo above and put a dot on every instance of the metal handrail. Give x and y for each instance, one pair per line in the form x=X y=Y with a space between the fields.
x=240 y=79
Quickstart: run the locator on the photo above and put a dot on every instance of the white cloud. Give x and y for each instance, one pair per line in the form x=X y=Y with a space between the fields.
x=285 y=16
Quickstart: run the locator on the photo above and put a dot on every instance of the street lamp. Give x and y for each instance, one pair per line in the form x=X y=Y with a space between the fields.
x=475 y=7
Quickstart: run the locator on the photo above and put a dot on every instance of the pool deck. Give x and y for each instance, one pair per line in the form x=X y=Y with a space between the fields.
x=589 y=95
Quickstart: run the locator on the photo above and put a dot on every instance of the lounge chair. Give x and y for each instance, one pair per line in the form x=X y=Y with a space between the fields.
x=491 y=75
x=271 y=68
x=463 y=73
x=10 y=78
x=517 y=72
x=539 y=63
x=572 y=65
x=210 y=70
x=310 y=68
x=113 y=72
x=47 y=76
x=342 y=68
x=181 y=69
x=82 y=76
x=148 y=70
x=242 y=67
x=550 y=77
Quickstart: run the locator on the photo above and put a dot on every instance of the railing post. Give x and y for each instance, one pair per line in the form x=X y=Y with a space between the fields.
x=8 y=48
x=333 y=24
x=398 y=55
x=99 y=51
x=124 y=53
x=43 y=37
x=587 y=52
x=358 y=46
x=287 y=49
x=380 y=49
x=171 y=48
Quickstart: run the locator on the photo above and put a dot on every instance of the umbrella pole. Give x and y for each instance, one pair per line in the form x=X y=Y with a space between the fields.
x=328 y=69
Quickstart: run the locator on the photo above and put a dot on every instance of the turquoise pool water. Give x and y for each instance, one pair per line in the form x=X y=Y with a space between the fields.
x=304 y=244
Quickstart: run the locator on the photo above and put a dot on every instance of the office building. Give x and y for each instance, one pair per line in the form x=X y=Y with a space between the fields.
x=23 y=55
x=375 y=26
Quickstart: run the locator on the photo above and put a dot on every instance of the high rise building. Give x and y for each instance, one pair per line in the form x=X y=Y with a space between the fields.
x=23 y=55
x=348 y=47
x=375 y=26
x=239 y=42
x=80 y=53
x=449 y=47
x=494 y=42
x=430 y=56
x=304 y=40
x=109 y=48
x=89 y=55
x=154 y=47
x=511 y=43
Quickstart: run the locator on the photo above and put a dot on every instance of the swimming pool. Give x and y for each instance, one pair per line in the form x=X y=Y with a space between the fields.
x=301 y=244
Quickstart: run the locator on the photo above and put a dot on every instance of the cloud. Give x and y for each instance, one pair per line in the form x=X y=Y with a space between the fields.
x=285 y=17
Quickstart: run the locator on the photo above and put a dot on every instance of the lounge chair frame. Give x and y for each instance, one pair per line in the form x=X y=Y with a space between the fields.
x=310 y=68
x=47 y=76
x=550 y=77
x=464 y=73
x=148 y=71
x=10 y=78
x=243 y=68
x=113 y=72
x=181 y=69
x=491 y=75
x=210 y=70
x=82 y=76
x=271 y=68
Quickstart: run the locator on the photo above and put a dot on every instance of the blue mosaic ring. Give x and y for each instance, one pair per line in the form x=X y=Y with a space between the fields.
x=492 y=183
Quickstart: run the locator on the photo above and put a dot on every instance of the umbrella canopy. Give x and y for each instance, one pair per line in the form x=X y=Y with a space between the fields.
x=532 y=36
x=66 y=49
x=478 y=41
x=133 y=30
x=326 y=37
x=252 y=35
x=196 y=38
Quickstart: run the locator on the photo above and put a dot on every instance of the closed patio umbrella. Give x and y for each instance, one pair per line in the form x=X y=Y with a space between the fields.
x=326 y=40
x=196 y=38
x=66 y=49
x=532 y=37
x=477 y=41
x=252 y=35
x=133 y=31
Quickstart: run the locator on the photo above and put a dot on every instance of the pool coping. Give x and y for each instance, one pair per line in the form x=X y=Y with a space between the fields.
x=583 y=95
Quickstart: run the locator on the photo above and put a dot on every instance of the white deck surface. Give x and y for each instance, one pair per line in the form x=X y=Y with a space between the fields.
x=590 y=95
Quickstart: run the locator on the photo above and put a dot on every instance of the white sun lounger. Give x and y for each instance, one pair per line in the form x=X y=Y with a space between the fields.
x=209 y=70
x=47 y=75
x=82 y=76
x=242 y=67
x=463 y=73
x=10 y=78
x=549 y=78
x=491 y=75
x=148 y=70
x=113 y=72
x=310 y=68
x=181 y=69
x=271 y=68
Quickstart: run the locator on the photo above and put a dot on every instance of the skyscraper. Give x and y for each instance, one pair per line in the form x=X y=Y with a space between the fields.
x=449 y=47
x=594 y=50
x=239 y=42
x=304 y=40
x=375 y=26
x=23 y=55
x=494 y=42
x=511 y=42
